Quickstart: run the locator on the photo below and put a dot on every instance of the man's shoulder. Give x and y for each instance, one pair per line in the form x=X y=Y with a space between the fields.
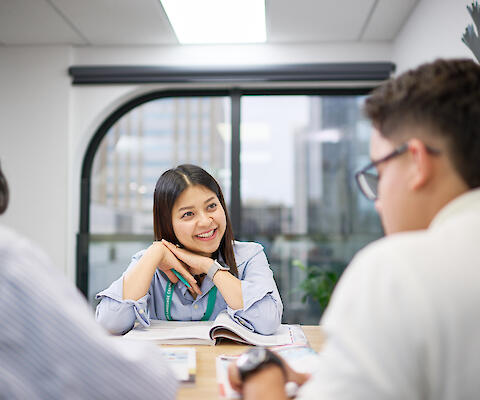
x=384 y=274
x=24 y=264
x=16 y=245
x=9 y=237
x=396 y=254
x=399 y=244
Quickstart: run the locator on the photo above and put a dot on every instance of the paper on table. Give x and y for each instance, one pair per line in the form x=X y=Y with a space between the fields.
x=225 y=389
x=182 y=361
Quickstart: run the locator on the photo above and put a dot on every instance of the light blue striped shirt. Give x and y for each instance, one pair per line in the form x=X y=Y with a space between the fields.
x=262 y=310
x=51 y=346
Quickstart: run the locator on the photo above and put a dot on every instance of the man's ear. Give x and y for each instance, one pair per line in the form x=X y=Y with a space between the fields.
x=422 y=166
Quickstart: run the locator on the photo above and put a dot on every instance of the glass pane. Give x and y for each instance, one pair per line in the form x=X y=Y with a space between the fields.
x=139 y=147
x=299 y=199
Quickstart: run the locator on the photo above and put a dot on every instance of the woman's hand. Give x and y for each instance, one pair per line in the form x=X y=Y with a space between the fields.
x=229 y=286
x=138 y=279
x=197 y=264
x=168 y=260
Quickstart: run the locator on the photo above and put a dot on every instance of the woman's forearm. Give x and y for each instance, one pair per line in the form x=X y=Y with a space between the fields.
x=137 y=280
x=230 y=287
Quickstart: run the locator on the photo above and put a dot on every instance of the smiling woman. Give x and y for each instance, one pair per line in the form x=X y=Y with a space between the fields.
x=194 y=243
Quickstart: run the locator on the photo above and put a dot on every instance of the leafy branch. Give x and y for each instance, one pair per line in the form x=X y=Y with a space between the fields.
x=318 y=283
x=470 y=37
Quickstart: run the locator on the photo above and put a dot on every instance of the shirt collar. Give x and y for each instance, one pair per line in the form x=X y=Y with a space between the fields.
x=462 y=203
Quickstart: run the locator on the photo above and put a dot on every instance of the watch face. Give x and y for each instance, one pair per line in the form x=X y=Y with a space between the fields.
x=251 y=359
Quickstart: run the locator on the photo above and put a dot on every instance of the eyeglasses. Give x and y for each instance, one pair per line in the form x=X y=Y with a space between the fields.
x=368 y=180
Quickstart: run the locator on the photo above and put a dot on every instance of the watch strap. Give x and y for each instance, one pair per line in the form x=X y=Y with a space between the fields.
x=270 y=359
x=215 y=267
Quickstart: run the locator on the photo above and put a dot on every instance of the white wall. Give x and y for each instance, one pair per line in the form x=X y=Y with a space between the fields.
x=46 y=124
x=92 y=104
x=236 y=54
x=433 y=30
x=34 y=115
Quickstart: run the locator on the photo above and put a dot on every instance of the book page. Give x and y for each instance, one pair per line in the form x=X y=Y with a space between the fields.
x=173 y=332
x=286 y=334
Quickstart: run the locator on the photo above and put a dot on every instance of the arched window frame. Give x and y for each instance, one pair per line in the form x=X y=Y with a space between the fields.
x=355 y=74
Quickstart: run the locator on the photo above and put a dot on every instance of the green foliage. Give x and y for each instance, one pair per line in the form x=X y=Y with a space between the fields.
x=470 y=37
x=318 y=283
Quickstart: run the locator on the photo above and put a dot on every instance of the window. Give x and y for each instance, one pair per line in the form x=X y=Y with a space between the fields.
x=299 y=154
x=135 y=151
x=296 y=196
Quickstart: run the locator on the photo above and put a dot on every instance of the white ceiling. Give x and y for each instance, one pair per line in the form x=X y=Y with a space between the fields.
x=143 y=22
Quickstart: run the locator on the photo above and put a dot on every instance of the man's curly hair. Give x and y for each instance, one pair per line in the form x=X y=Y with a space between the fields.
x=443 y=97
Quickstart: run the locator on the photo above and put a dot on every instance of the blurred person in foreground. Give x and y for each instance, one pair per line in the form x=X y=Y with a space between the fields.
x=403 y=322
x=50 y=345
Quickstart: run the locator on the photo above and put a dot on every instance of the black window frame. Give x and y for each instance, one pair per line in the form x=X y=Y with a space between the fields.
x=354 y=86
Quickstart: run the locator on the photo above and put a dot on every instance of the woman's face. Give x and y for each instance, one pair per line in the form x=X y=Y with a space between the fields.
x=199 y=220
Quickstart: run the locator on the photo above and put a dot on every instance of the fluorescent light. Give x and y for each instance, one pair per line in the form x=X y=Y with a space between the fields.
x=217 y=21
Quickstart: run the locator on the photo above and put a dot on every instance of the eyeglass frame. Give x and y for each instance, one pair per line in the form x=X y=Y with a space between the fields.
x=403 y=148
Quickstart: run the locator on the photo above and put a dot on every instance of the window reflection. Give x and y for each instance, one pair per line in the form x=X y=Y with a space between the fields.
x=299 y=155
x=138 y=148
x=298 y=158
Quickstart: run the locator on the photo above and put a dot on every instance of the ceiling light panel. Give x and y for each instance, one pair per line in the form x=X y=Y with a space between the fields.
x=217 y=21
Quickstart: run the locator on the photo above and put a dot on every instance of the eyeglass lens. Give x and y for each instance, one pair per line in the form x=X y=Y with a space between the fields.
x=368 y=183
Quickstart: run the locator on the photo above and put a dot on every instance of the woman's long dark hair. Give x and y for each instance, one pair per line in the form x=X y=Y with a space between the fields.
x=169 y=186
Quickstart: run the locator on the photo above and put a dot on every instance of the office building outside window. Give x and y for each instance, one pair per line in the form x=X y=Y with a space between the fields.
x=298 y=155
x=137 y=149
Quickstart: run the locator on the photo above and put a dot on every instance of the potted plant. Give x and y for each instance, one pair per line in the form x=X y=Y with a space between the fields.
x=319 y=282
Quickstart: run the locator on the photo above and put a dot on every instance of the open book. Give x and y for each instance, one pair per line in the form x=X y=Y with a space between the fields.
x=209 y=332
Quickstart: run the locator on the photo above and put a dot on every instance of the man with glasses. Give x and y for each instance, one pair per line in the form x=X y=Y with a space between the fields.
x=404 y=321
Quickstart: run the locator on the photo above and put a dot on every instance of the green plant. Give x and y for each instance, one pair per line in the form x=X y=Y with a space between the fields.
x=318 y=283
x=470 y=37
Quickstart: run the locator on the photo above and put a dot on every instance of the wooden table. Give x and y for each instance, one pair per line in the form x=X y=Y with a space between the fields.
x=206 y=386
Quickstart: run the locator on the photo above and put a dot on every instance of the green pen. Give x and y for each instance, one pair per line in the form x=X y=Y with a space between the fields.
x=181 y=278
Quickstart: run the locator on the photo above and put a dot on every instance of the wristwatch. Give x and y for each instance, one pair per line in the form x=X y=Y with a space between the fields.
x=255 y=359
x=217 y=266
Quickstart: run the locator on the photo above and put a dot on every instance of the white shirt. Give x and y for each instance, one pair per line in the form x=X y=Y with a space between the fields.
x=404 y=321
x=52 y=348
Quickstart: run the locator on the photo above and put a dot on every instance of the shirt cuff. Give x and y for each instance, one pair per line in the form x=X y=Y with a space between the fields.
x=115 y=292
x=239 y=319
x=251 y=294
